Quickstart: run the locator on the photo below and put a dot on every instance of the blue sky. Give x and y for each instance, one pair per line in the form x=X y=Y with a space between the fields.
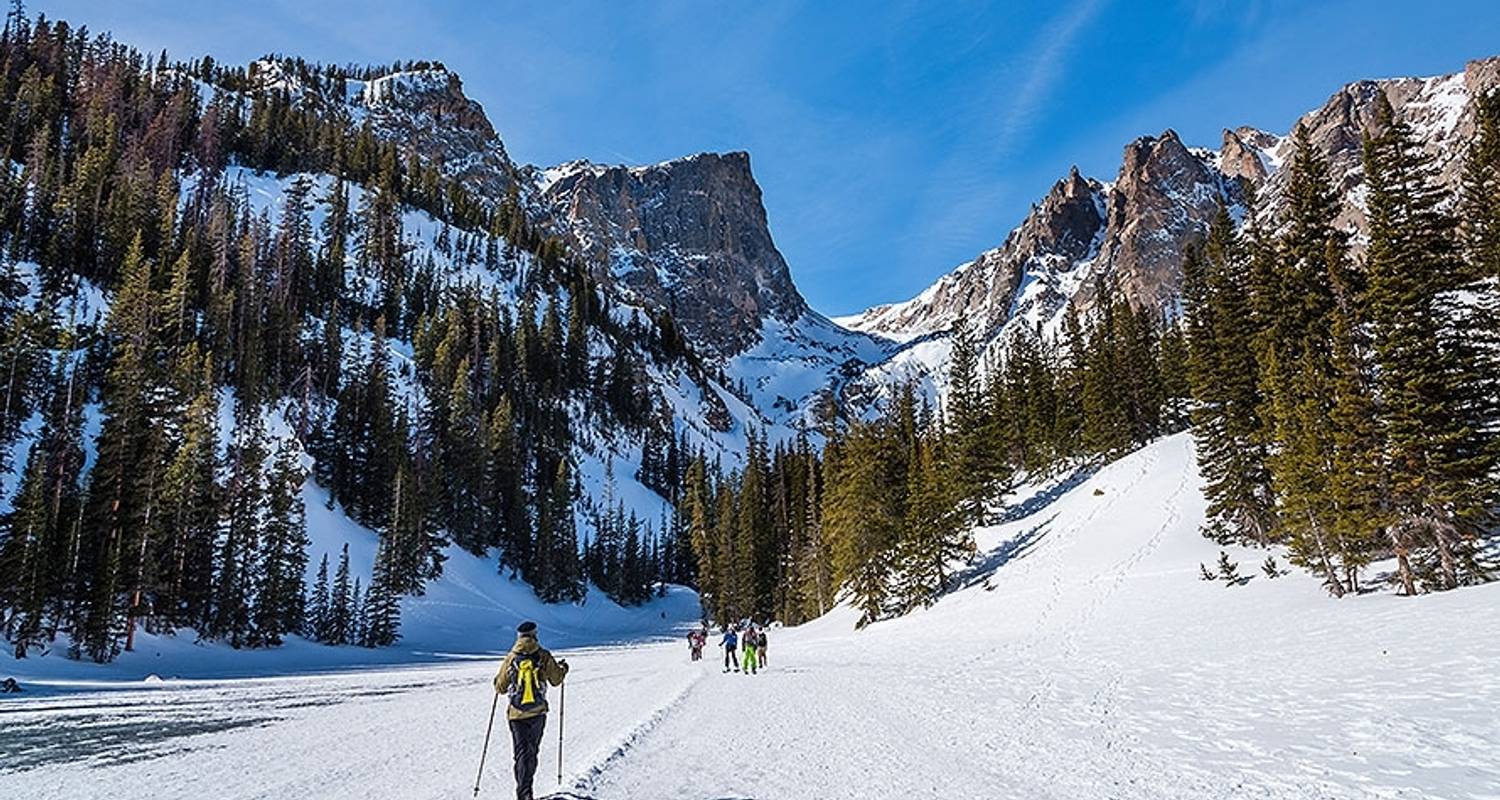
x=892 y=140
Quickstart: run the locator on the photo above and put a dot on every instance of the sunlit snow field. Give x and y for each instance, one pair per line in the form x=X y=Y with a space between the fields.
x=1085 y=659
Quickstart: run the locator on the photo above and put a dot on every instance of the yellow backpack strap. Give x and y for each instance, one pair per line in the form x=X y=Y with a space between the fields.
x=526 y=679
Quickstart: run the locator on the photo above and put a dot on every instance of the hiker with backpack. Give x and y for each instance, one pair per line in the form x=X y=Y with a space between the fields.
x=750 y=641
x=696 y=640
x=729 y=643
x=523 y=677
x=760 y=647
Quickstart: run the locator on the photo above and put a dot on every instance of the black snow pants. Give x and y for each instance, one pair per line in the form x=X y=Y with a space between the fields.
x=526 y=739
x=730 y=658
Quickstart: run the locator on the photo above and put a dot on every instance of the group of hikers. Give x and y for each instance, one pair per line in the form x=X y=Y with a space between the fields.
x=743 y=637
x=529 y=668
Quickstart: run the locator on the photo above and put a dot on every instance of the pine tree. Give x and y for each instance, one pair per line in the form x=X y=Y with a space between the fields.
x=359 y=623
x=283 y=559
x=34 y=556
x=1440 y=466
x=341 y=607
x=1297 y=372
x=190 y=498
x=120 y=491
x=240 y=551
x=315 y=622
x=935 y=534
x=862 y=514
x=1224 y=377
x=382 y=607
x=975 y=472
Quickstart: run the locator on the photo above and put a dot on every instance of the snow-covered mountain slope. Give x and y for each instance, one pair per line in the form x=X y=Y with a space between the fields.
x=1081 y=658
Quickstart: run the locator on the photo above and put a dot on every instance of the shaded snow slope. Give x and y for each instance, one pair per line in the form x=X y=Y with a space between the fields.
x=1083 y=658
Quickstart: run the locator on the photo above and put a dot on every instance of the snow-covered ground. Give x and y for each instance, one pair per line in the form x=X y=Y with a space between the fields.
x=1084 y=659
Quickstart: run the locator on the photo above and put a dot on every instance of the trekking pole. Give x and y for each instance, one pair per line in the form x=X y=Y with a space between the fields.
x=486 y=750
x=562 y=711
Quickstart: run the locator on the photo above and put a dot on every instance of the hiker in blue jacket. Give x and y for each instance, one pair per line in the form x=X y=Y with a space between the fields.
x=730 y=643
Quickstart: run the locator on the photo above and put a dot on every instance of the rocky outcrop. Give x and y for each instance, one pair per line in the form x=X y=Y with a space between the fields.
x=1059 y=233
x=1438 y=109
x=689 y=236
x=422 y=109
x=429 y=114
x=1243 y=154
x=1164 y=197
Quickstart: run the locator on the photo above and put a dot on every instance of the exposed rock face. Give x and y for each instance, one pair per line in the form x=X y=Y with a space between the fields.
x=428 y=112
x=688 y=235
x=1438 y=109
x=1164 y=197
x=423 y=110
x=1243 y=154
x=1058 y=234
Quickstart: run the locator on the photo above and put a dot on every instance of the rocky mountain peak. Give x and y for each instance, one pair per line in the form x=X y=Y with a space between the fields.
x=1164 y=197
x=422 y=108
x=1059 y=233
x=426 y=109
x=1243 y=154
x=688 y=235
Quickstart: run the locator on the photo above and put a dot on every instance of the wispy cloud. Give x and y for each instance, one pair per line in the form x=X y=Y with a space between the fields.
x=1045 y=67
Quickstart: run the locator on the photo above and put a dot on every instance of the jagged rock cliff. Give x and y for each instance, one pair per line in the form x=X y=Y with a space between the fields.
x=688 y=235
x=1063 y=230
x=1163 y=197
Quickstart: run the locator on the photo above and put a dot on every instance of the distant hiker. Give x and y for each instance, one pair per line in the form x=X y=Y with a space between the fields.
x=523 y=677
x=760 y=647
x=696 y=640
x=729 y=643
x=749 y=662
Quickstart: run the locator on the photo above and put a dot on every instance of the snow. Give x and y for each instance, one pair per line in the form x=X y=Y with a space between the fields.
x=1082 y=658
x=792 y=363
x=397 y=84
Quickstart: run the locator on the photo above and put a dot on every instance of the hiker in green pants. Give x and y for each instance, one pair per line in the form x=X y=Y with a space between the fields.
x=749 y=641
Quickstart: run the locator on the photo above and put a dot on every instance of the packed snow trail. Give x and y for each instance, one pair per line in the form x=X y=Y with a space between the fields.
x=397 y=733
x=1092 y=663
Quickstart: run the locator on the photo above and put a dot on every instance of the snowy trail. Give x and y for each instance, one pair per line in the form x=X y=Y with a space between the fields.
x=1096 y=665
x=402 y=733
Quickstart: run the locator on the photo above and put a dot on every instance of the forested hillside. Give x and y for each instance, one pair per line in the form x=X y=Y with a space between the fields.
x=186 y=334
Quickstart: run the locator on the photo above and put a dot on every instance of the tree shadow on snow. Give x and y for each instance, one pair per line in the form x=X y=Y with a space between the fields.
x=1050 y=495
x=991 y=562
